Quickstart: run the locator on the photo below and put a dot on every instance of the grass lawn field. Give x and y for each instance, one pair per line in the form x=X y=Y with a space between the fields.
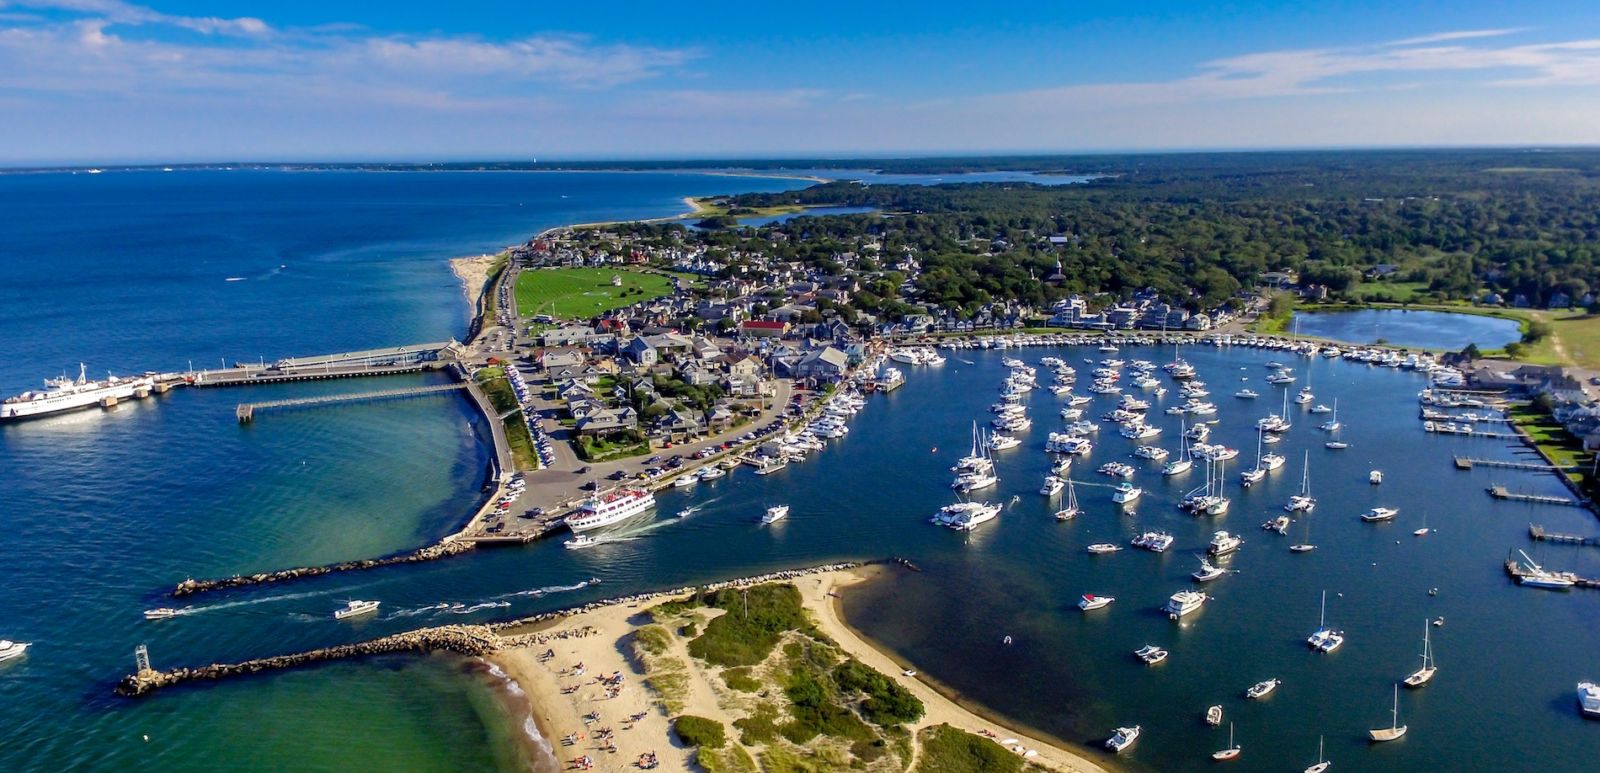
x=580 y=293
x=1553 y=440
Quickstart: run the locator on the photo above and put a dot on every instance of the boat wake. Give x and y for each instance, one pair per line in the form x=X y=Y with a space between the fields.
x=695 y=508
x=263 y=600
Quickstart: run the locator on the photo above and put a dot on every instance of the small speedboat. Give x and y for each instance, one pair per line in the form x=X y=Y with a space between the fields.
x=1261 y=690
x=1589 y=699
x=355 y=608
x=1150 y=654
x=685 y=481
x=161 y=613
x=10 y=650
x=1377 y=514
x=1207 y=571
x=1122 y=738
x=1102 y=548
x=775 y=513
x=1091 y=602
x=1214 y=715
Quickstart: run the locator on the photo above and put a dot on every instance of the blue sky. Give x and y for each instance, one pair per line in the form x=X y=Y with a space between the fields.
x=105 y=81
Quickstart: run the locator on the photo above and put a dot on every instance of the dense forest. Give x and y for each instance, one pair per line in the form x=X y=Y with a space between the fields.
x=1441 y=225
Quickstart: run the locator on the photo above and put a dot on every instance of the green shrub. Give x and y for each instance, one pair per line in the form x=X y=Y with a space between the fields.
x=741 y=679
x=761 y=727
x=688 y=630
x=756 y=620
x=699 y=731
x=948 y=750
x=886 y=703
x=729 y=760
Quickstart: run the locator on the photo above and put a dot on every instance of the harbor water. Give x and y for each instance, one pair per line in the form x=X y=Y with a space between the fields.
x=105 y=511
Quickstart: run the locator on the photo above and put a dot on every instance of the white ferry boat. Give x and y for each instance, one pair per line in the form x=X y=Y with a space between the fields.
x=610 y=507
x=65 y=394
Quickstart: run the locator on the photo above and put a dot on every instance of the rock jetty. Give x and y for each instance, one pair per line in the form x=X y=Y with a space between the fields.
x=433 y=552
x=468 y=640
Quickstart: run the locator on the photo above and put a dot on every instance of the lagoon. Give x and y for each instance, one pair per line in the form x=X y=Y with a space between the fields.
x=1439 y=330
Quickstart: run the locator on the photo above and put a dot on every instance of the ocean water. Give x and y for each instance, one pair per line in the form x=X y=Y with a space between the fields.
x=1403 y=327
x=104 y=511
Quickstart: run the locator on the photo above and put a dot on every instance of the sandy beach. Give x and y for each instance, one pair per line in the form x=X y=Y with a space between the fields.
x=474 y=276
x=585 y=684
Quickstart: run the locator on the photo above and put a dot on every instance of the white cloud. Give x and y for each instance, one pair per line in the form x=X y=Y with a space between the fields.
x=1444 y=37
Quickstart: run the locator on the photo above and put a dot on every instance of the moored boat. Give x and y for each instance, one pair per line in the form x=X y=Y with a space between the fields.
x=355 y=608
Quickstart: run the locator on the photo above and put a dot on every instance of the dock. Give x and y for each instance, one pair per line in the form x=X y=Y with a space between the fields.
x=413 y=358
x=1501 y=492
x=1484 y=433
x=246 y=412
x=1517 y=571
x=1467 y=463
x=1539 y=534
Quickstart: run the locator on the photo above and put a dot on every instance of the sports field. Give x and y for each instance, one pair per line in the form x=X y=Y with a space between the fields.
x=580 y=293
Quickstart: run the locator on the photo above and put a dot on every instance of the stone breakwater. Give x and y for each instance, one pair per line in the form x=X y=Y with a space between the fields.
x=468 y=640
x=430 y=553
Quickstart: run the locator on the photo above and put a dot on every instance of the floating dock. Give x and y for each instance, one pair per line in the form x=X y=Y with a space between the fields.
x=1467 y=463
x=1501 y=492
x=246 y=412
x=1539 y=534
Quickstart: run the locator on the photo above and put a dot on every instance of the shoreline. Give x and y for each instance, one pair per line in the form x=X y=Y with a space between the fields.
x=474 y=274
x=600 y=639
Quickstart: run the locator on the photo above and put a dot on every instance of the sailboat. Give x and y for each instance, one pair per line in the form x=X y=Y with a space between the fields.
x=1332 y=425
x=1217 y=504
x=1254 y=475
x=1070 y=511
x=1321 y=764
x=1395 y=729
x=1302 y=502
x=1423 y=675
x=1305 y=545
x=1232 y=752
x=1325 y=639
x=1183 y=463
x=1422 y=532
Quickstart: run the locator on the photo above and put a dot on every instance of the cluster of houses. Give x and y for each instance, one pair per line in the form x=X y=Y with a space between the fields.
x=1144 y=311
x=1572 y=401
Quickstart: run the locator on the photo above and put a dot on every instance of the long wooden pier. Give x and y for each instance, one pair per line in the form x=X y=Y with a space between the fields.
x=1538 y=533
x=1468 y=462
x=246 y=411
x=1501 y=492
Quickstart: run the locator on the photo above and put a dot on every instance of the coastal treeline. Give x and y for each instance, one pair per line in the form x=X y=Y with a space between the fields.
x=1378 y=225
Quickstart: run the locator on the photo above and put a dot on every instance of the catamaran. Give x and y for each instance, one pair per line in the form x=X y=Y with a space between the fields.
x=1423 y=675
x=1303 y=502
x=1325 y=639
x=1395 y=729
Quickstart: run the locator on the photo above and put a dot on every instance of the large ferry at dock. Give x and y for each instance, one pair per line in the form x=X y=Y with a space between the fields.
x=605 y=509
x=65 y=394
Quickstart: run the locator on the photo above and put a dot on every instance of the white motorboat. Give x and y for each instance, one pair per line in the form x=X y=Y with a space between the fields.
x=1153 y=453
x=355 y=608
x=1126 y=493
x=1589 y=699
x=1214 y=715
x=1153 y=541
x=1003 y=442
x=1423 y=675
x=1122 y=738
x=1377 y=514
x=1395 y=729
x=775 y=513
x=1052 y=486
x=1247 y=394
x=685 y=481
x=161 y=613
x=1091 y=602
x=1223 y=543
x=1103 y=548
x=1375 y=477
x=1261 y=690
x=1184 y=602
x=10 y=650
x=580 y=542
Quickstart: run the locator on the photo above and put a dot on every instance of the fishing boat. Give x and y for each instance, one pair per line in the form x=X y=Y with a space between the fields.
x=1325 y=639
x=775 y=513
x=1091 y=602
x=1395 y=729
x=1153 y=541
x=1207 y=572
x=1070 y=509
x=1375 y=477
x=355 y=609
x=1214 y=715
x=1102 y=548
x=1321 y=764
x=1423 y=675
x=1230 y=753
x=1303 y=501
x=1122 y=738
x=1261 y=690
x=583 y=541
x=1378 y=514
